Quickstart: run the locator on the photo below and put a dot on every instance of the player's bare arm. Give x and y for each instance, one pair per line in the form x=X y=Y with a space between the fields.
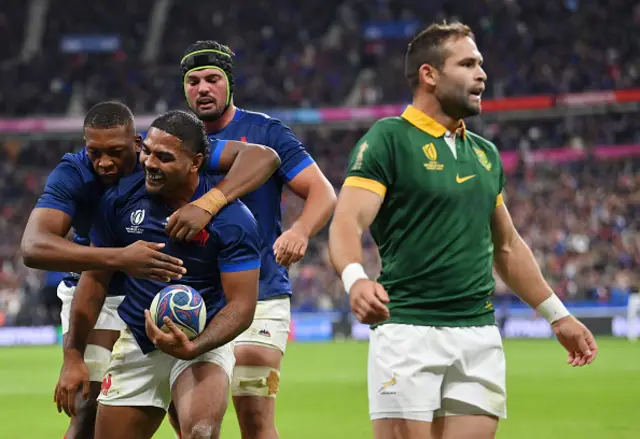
x=514 y=261
x=355 y=211
x=320 y=199
x=241 y=293
x=85 y=308
x=247 y=165
x=45 y=247
x=518 y=268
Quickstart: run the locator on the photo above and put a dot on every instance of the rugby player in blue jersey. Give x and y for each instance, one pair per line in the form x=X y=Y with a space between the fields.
x=149 y=367
x=69 y=203
x=207 y=69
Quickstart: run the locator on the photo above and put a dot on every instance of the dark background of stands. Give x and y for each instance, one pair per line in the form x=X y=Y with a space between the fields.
x=582 y=219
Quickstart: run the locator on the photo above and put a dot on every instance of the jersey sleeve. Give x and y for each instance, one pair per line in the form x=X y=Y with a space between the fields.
x=370 y=163
x=216 y=147
x=501 y=182
x=500 y=197
x=103 y=229
x=63 y=189
x=294 y=158
x=239 y=238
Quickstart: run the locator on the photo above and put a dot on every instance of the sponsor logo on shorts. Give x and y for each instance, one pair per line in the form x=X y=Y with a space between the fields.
x=385 y=389
x=106 y=385
x=264 y=332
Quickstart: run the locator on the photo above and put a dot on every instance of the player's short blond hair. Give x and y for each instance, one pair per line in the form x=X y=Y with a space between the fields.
x=427 y=47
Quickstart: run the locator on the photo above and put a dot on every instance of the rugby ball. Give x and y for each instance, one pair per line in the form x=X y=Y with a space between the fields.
x=183 y=305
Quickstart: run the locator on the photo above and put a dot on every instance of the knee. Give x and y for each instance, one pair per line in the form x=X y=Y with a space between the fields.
x=254 y=390
x=85 y=420
x=203 y=430
x=254 y=415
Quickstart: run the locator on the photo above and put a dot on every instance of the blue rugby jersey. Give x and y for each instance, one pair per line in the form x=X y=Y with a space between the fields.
x=74 y=188
x=231 y=242
x=264 y=202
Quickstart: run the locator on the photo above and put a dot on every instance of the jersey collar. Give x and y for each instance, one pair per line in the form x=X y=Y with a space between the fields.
x=423 y=122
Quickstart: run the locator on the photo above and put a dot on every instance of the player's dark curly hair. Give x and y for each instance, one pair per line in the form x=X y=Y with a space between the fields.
x=428 y=48
x=188 y=128
x=108 y=114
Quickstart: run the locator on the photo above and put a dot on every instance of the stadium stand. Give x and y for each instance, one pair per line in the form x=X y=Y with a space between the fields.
x=586 y=227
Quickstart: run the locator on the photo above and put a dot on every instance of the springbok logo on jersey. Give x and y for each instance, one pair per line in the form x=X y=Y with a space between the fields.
x=431 y=153
x=137 y=217
x=482 y=158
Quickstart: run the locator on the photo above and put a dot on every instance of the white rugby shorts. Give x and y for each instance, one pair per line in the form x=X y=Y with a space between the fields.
x=108 y=318
x=421 y=372
x=271 y=325
x=95 y=357
x=136 y=379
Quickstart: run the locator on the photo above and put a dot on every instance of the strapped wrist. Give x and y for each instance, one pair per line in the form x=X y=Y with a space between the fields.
x=212 y=201
x=351 y=274
x=552 y=309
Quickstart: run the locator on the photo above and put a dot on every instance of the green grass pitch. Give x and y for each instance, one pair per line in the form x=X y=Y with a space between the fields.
x=323 y=393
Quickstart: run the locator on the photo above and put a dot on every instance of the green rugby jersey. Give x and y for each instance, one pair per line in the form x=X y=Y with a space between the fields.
x=433 y=228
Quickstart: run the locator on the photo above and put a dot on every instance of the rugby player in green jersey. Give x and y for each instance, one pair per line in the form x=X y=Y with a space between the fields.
x=431 y=193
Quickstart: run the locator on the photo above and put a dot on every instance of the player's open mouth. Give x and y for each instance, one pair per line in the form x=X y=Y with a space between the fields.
x=206 y=104
x=476 y=94
x=154 y=177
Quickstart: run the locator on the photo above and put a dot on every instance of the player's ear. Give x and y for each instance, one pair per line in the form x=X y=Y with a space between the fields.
x=428 y=74
x=138 y=142
x=197 y=162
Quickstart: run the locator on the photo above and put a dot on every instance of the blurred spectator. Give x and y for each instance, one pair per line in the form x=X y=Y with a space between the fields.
x=312 y=53
x=582 y=219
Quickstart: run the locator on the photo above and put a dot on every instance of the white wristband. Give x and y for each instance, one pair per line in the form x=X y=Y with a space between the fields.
x=352 y=273
x=552 y=309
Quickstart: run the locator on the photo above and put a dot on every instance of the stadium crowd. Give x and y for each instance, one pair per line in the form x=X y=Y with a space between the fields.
x=306 y=54
x=582 y=219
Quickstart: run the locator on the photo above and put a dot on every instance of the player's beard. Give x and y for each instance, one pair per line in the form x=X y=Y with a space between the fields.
x=211 y=115
x=456 y=104
x=455 y=100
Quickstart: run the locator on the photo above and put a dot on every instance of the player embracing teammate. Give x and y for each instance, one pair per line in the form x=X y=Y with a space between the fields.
x=208 y=81
x=149 y=368
x=68 y=207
